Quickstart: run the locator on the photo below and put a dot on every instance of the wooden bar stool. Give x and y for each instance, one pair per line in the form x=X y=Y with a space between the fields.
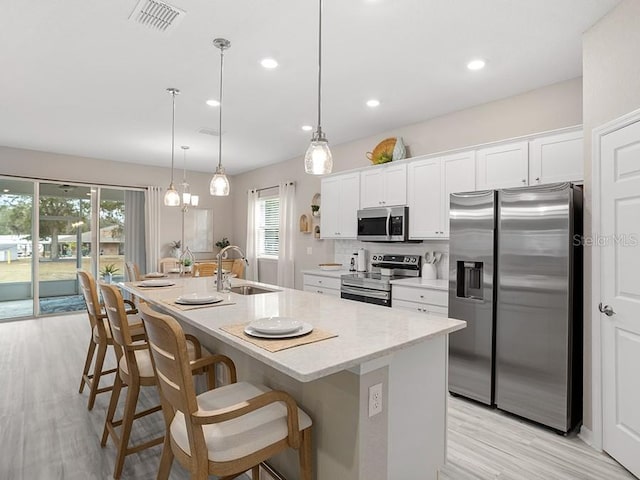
x=134 y=371
x=226 y=431
x=100 y=337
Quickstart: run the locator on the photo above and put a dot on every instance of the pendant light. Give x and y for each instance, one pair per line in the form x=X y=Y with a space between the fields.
x=219 y=185
x=318 y=160
x=188 y=199
x=171 y=196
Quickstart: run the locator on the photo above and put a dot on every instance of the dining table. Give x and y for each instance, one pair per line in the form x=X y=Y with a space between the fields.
x=345 y=349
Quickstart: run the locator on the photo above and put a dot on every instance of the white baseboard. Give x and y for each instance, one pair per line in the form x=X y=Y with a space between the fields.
x=586 y=436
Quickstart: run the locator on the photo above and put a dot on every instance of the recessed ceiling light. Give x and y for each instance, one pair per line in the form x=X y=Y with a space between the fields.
x=373 y=103
x=477 y=64
x=6 y=190
x=307 y=128
x=213 y=103
x=269 y=63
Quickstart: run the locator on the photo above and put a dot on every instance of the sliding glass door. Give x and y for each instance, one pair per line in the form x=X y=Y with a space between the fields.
x=16 y=248
x=50 y=230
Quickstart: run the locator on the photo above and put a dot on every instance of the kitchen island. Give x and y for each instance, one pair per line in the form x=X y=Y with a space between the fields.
x=405 y=352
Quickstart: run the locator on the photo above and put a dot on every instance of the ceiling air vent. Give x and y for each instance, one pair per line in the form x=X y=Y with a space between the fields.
x=156 y=15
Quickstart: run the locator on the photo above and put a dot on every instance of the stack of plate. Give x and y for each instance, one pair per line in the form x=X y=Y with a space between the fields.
x=198 y=299
x=155 y=275
x=277 y=327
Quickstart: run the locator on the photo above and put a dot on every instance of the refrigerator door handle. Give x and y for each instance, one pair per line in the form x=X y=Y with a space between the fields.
x=606 y=309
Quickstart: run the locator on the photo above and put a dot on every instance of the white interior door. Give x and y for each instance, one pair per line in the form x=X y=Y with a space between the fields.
x=620 y=293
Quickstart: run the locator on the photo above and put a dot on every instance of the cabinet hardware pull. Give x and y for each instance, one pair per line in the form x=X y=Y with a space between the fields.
x=524 y=180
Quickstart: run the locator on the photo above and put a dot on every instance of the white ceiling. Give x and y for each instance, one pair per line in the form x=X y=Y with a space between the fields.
x=79 y=78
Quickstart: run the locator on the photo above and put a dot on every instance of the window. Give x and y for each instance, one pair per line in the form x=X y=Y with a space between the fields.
x=268 y=227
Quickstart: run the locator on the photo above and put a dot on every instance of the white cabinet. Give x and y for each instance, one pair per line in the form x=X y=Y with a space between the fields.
x=556 y=158
x=420 y=299
x=340 y=203
x=383 y=186
x=503 y=166
x=429 y=184
x=322 y=285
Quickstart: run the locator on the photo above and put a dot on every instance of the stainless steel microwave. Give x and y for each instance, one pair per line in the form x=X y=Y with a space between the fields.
x=384 y=224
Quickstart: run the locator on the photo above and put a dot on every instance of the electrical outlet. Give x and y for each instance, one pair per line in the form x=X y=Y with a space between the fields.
x=375 y=399
x=309 y=250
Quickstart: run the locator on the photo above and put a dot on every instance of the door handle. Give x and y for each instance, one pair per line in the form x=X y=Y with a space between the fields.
x=606 y=309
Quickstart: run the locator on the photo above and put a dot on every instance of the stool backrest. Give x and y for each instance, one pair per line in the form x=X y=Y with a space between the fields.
x=117 y=315
x=90 y=293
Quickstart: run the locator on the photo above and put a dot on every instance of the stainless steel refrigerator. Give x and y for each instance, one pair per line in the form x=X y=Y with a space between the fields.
x=516 y=278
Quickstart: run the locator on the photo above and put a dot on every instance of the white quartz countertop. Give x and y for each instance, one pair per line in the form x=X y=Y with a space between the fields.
x=365 y=332
x=326 y=273
x=419 y=282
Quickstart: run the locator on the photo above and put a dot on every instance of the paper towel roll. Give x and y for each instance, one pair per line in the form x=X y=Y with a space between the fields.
x=362 y=260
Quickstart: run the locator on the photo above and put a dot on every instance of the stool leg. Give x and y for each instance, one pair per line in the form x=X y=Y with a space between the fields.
x=127 y=423
x=304 y=455
x=166 y=460
x=97 y=373
x=87 y=363
x=255 y=473
x=113 y=404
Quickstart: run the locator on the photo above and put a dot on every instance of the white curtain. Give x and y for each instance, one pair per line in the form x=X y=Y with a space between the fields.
x=251 y=250
x=286 y=249
x=134 y=227
x=153 y=201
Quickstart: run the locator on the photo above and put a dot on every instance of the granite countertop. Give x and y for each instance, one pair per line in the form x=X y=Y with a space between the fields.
x=419 y=282
x=365 y=332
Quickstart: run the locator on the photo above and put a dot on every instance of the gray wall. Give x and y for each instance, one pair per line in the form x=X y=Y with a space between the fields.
x=611 y=69
x=551 y=107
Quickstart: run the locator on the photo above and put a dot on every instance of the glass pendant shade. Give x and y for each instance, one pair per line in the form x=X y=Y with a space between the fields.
x=171 y=197
x=318 y=159
x=186 y=198
x=195 y=200
x=219 y=185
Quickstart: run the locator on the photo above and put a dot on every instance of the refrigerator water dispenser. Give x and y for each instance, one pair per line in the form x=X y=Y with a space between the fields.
x=469 y=278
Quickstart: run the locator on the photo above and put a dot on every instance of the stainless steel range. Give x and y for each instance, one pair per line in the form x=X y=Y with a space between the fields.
x=375 y=286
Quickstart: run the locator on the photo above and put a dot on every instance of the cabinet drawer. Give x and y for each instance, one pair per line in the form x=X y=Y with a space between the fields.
x=317 y=281
x=420 y=295
x=322 y=290
x=420 y=307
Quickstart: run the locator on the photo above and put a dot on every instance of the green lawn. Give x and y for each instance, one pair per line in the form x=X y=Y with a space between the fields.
x=65 y=269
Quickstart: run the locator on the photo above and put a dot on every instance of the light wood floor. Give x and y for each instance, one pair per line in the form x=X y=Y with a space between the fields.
x=46 y=432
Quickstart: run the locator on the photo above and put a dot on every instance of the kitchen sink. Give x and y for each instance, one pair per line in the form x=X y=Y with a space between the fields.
x=250 y=290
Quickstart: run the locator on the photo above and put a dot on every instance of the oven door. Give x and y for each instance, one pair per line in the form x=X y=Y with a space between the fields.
x=366 y=295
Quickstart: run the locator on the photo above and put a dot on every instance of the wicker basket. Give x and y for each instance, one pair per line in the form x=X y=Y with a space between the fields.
x=383 y=152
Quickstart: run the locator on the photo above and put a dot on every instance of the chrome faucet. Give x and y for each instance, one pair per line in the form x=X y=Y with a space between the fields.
x=222 y=253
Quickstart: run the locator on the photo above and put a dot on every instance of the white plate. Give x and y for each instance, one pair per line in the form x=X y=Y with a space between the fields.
x=155 y=275
x=156 y=283
x=275 y=325
x=197 y=299
x=330 y=267
x=303 y=330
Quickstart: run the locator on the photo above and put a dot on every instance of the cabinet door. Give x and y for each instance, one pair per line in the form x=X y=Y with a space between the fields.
x=424 y=196
x=504 y=166
x=372 y=188
x=348 y=206
x=330 y=209
x=395 y=185
x=556 y=158
x=459 y=175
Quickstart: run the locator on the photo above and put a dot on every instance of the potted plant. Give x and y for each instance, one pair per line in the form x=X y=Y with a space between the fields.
x=187 y=263
x=315 y=210
x=222 y=243
x=108 y=271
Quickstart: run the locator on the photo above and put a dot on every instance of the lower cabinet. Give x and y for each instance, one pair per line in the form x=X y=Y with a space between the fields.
x=420 y=299
x=322 y=285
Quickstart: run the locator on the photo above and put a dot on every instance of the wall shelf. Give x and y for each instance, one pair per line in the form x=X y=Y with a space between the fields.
x=305 y=223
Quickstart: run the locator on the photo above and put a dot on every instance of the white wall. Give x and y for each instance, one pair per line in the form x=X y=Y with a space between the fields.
x=551 y=107
x=611 y=68
x=69 y=168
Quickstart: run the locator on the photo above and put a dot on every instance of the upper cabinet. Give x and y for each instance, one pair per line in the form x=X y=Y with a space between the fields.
x=503 y=166
x=340 y=203
x=556 y=158
x=383 y=186
x=429 y=183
